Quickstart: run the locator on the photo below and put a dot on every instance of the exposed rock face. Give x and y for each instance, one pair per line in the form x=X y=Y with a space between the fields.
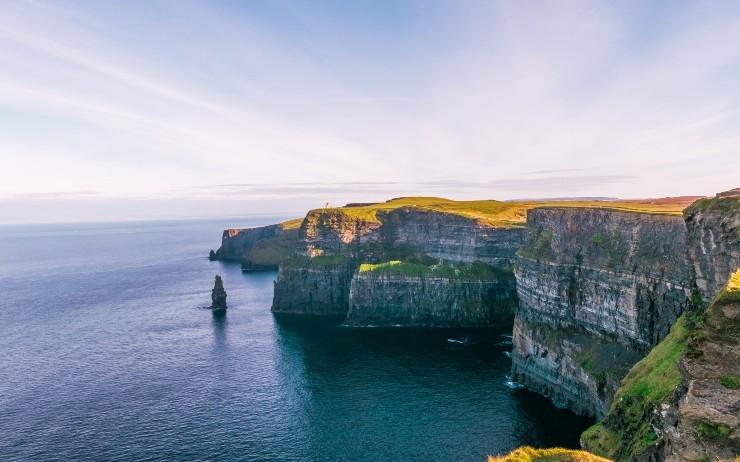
x=573 y=369
x=409 y=231
x=313 y=286
x=682 y=401
x=258 y=248
x=608 y=284
x=218 y=295
x=331 y=232
x=335 y=241
x=388 y=299
x=448 y=237
x=714 y=240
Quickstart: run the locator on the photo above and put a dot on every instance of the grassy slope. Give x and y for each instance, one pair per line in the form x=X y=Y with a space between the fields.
x=528 y=454
x=475 y=270
x=627 y=430
x=506 y=213
x=295 y=223
x=269 y=252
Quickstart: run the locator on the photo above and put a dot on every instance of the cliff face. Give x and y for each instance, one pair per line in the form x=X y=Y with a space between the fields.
x=330 y=232
x=408 y=232
x=448 y=237
x=682 y=401
x=259 y=248
x=714 y=240
x=596 y=289
x=416 y=236
x=573 y=369
x=430 y=298
x=313 y=286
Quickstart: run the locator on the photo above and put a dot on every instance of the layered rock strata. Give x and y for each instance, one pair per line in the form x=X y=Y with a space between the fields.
x=258 y=248
x=416 y=236
x=408 y=232
x=430 y=297
x=316 y=286
x=714 y=240
x=597 y=288
x=682 y=401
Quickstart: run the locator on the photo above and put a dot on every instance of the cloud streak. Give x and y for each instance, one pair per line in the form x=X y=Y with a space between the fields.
x=277 y=101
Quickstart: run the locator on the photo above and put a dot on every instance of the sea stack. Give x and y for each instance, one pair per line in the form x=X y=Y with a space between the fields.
x=218 y=295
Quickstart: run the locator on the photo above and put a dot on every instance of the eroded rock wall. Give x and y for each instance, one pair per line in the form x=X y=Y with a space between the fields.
x=616 y=279
x=408 y=234
x=682 y=401
x=262 y=247
x=573 y=369
x=313 y=286
x=386 y=299
x=714 y=240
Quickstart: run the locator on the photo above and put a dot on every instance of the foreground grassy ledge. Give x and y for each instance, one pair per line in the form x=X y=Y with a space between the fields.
x=528 y=454
x=681 y=400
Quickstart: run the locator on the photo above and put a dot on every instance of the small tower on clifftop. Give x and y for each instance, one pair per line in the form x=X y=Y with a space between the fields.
x=218 y=295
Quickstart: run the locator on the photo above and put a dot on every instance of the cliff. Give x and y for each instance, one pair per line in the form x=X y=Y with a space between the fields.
x=597 y=288
x=681 y=403
x=261 y=247
x=316 y=286
x=437 y=236
x=408 y=232
x=714 y=240
x=405 y=294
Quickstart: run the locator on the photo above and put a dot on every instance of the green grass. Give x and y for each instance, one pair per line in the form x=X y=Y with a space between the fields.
x=718 y=204
x=273 y=250
x=529 y=454
x=627 y=432
x=323 y=261
x=495 y=213
x=476 y=270
x=730 y=381
x=540 y=246
x=295 y=223
x=710 y=430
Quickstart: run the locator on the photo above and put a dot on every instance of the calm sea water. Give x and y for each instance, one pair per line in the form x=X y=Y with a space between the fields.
x=106 y=355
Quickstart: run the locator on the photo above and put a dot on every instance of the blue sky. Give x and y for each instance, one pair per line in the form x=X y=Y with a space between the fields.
x=135 y=110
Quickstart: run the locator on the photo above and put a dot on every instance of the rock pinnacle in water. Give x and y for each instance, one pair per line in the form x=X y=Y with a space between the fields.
x=218 y=294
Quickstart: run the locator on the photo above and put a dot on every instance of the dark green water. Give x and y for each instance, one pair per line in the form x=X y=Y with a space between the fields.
x=106 y=355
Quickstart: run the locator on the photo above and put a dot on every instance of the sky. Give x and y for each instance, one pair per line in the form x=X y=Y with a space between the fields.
x=187 y=109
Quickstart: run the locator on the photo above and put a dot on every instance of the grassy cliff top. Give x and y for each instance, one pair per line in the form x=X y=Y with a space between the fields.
x=528 y=454
x=295 y=223
x=475 y=270
x=506 y=213
x=724 y=202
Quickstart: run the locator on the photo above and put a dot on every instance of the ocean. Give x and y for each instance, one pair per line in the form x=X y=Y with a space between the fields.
x=107 y=354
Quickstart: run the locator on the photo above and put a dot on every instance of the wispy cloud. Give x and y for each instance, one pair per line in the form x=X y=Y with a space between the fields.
x=494 y=99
